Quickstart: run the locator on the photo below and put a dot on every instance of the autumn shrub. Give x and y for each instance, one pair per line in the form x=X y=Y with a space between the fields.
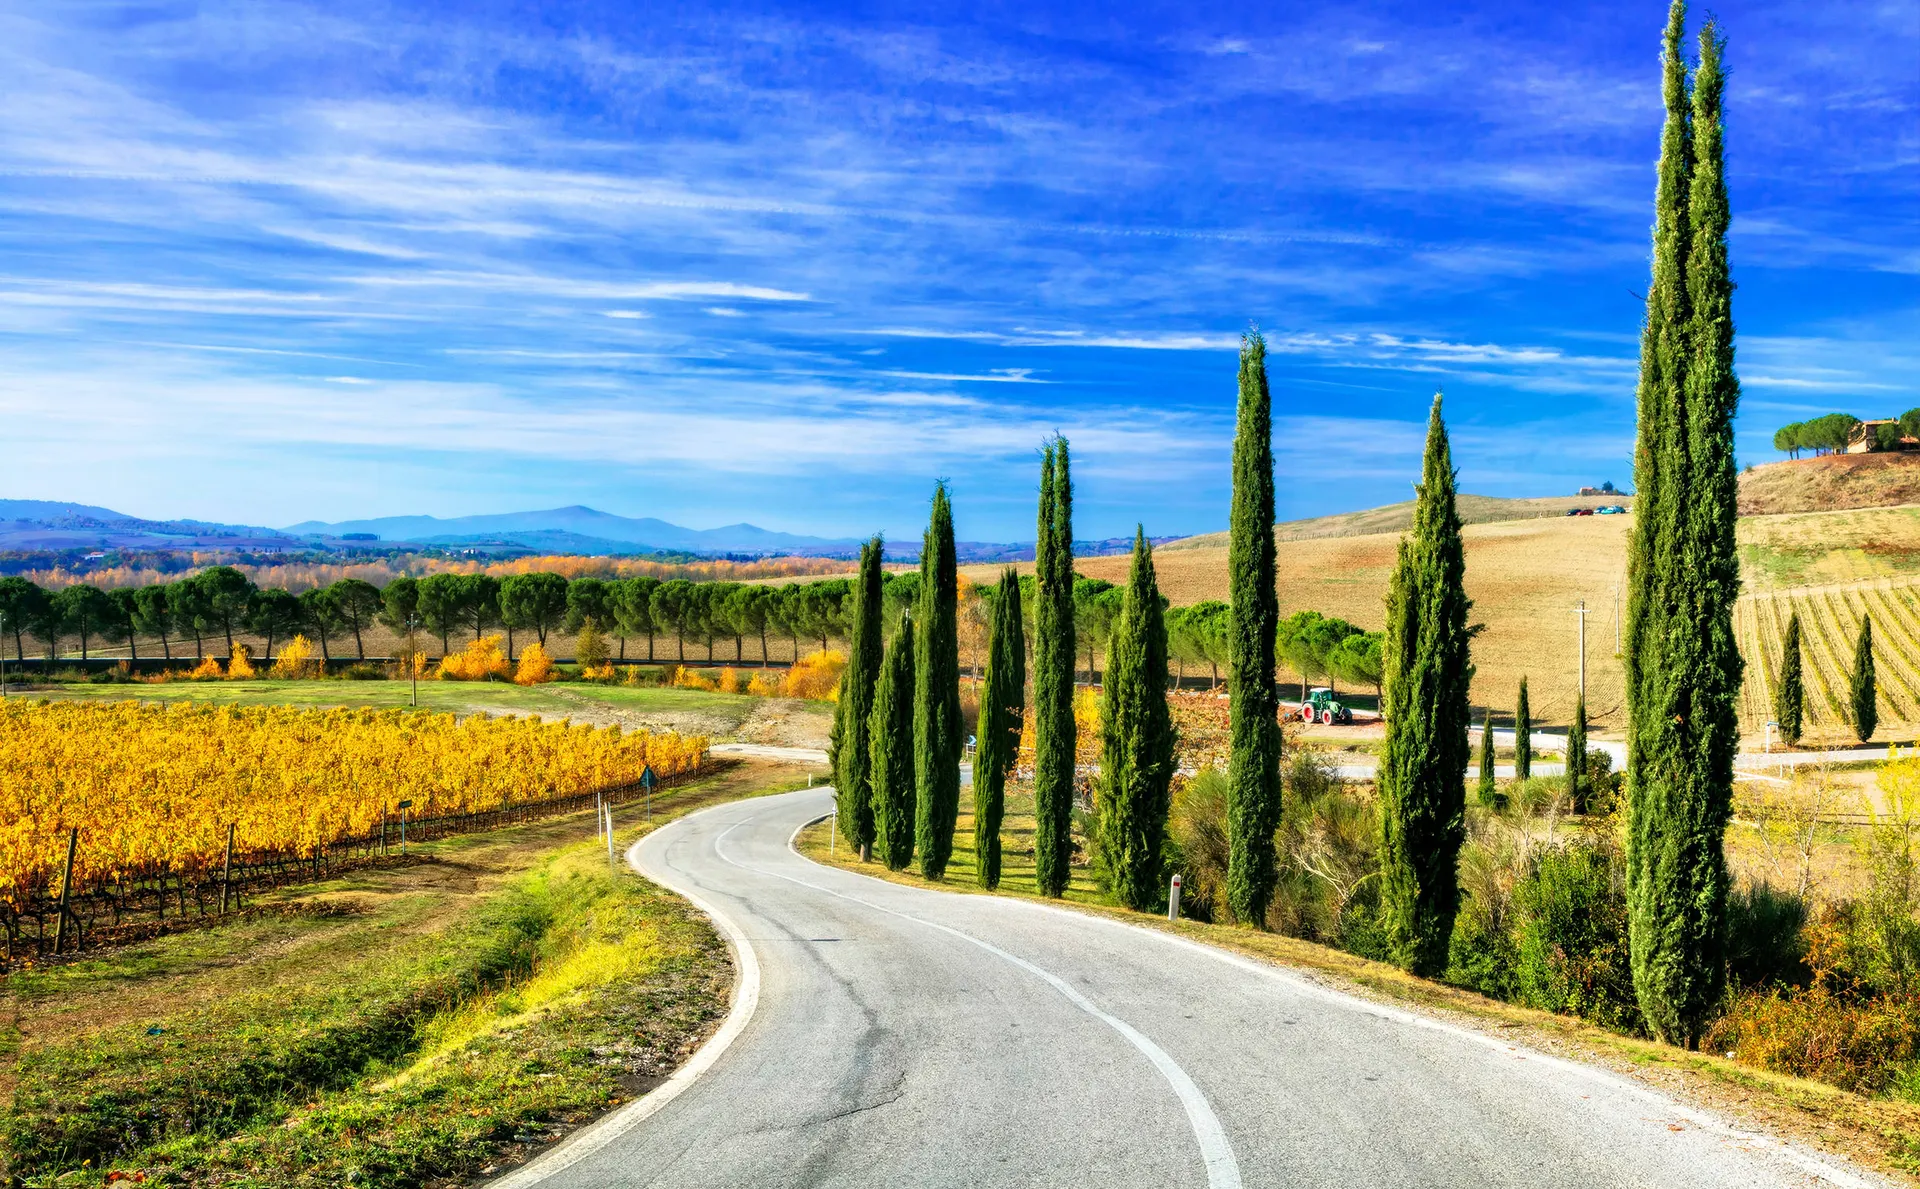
x=765 y=685
x=590 y=646
x=689 y=679
x=1570 y=935
x=1866 y=1044
x=240 y=664
x=536 y=667
x=295 y=661
x=603 y=673
x=207 y=670
x=731 y=682
x=816 y=676
x=480 y=660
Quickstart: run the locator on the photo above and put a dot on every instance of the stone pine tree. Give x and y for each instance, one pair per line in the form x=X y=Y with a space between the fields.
x=1002 y=709
x=1253 y=694
x=1861 y=689
x=1423 y=765
x=1522 y=735
x=890 y=732
x=1683 y=666
x=1137 y=737
x=1054 y=736
x=1578 y=786
x=849 y=746
x=1790 y=699
x=937 y=732
x=1489 y=788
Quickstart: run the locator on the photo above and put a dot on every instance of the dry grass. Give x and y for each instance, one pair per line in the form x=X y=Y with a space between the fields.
x=1836 y=481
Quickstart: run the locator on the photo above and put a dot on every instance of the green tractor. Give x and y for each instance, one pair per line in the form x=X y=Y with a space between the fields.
x=1322 y=705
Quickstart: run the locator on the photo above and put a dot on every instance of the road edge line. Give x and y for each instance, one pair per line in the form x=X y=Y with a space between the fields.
x=595 y=1136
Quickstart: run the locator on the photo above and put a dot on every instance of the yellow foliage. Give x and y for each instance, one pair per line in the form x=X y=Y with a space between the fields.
x=604 y=672
x=764 y=685
x=535 y=668
x=207 y=670
x=688 y=679
x=157 y=785
x=731 y=682
x=816 y=676
x=239 y=667
x=481 y=660
x=632 y=675
x=295 y=660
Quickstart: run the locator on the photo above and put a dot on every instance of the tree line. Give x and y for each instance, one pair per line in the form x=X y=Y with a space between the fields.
x=1830 y=434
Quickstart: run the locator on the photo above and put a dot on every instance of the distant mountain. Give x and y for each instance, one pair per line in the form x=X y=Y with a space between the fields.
x=576 y=529
x=52 y=525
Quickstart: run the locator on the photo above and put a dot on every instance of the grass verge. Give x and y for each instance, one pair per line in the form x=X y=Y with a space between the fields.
x=1879 y=1133
x=419 y=1025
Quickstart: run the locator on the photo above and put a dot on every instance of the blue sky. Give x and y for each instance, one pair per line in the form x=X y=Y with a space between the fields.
x=717 y=262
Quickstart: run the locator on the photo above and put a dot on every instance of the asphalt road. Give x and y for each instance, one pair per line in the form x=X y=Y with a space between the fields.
x=888 y=1035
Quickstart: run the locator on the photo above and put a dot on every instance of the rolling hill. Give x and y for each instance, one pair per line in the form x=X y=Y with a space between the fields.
x=1834 y=482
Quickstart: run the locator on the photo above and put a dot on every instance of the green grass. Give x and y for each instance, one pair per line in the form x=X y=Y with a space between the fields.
x=394 y=1027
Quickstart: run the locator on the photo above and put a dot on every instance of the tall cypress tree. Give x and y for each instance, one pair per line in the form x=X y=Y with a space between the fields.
x=1522 y=736
x=891 y=737
x=1790 y=700
x=1861 y=689
x=1253 y=694
x=1054 y=736
x=849 y=747
x=1577 y=783
x=1136 y=770
x=1423 y=766
x=1683 y=670
x=1002 y=709
x=1489 y=789
x=937 y=730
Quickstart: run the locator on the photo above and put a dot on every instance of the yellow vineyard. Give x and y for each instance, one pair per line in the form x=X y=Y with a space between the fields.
x=153 y=790
x=1829 y=623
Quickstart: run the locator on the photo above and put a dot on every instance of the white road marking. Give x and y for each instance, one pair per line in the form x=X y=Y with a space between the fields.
x=746 y=1000
x=1223 y=1171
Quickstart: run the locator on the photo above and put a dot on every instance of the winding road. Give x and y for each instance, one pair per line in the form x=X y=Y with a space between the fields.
x=889 y=1035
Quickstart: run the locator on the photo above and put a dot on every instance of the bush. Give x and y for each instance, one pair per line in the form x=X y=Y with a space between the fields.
x=1570 y=937
x=240 y=664
x=1764 y=943
x=362 y=671
x=1329 y=862
x=816 y=676
x=536 y=667
x=480 y=660
x=1481 y=954
x=1866 y=1045
x=1197 y=843
x=295 y=660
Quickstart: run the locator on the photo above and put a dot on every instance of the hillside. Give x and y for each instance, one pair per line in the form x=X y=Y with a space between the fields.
x=1834 y=482
x=1397 y=518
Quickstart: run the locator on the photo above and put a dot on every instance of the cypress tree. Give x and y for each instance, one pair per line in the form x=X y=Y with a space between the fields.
x=1861 y=691
x=1054 y=736
x=1253 y=695
x=1002 y=709
x=1790 y=700
x=849 y=747
x=891 y=737
x=1577 y=787
x=1683 y=670
x=937 y=733
x=1137 y=764
x=1489 y=790
x=1423 y=765
x=1522 y=736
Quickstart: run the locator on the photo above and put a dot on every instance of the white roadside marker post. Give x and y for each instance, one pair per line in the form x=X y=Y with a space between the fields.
x=1173 y=898
x=833 y=827
x=609 y=823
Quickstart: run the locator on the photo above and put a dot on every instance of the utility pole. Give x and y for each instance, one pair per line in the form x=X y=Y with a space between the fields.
x=1581 y=611
x=413 y=666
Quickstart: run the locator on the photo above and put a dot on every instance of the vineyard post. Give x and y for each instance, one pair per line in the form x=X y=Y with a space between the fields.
x=226 y=870
x=383 y=829
x=609 y=817
x=66 y=889
x=403 y=827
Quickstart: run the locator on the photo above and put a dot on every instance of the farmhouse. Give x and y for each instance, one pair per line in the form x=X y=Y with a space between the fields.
x=1882 y=433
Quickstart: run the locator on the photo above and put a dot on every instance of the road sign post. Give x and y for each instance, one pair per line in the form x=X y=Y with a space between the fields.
x=647 y=781
x=403 y=807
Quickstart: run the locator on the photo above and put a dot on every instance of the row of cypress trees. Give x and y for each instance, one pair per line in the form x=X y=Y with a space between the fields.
x=896 y=739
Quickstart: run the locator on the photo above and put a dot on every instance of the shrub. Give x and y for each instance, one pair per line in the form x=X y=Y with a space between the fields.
x=764 y=685
x=816 y=676
x=207 y=670
x=1197 y=843
x=240 y=665
x=688 y=679
x=731 y=681
x=1764 y=942
x=536 y=667
x=1329 y=861
x=481 y=660
x=1865 y=1045
x=590 y=646
x=1570 y=937
x=295 y=660
x=362 y=671
x=1481 y=954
